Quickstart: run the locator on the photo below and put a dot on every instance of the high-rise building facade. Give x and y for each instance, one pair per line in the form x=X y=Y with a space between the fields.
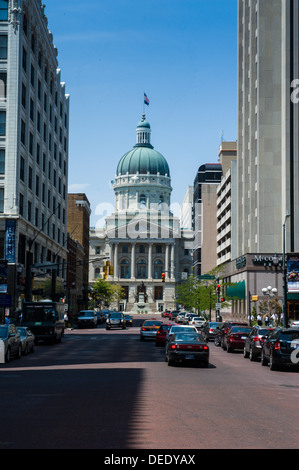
x=34 y=116
x=268 y=142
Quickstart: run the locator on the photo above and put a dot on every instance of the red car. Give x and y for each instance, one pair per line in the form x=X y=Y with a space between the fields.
x=235 y=337
x=162 y=333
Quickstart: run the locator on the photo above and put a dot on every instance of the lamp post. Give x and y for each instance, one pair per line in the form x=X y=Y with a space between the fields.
x=269 y=291
x=284 y=276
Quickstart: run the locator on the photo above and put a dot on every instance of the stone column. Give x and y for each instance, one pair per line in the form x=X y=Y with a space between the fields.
x=172 y=262
x=133 y=261
x=167 y=262
x=116 y=261
x=150 y=260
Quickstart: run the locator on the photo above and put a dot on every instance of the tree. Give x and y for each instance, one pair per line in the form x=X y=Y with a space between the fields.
x=195 y=294
x=104 y=292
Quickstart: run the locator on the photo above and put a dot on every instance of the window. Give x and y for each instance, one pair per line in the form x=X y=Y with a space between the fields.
x=142 y=201
x=2 y=122
x=158 y=293
x=1 y=200
x=3 y=10
x=158 y=269
x=141 y=270
x=2 y=161
x=125 y=269
x=3 y=46
x=3 y=82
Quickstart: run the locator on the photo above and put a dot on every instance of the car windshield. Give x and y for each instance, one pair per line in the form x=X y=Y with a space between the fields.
x=214 y=325
x=86 y=314
x=235 y=329
x=264 y=331
x=115 y=315
x=3 y=331
x=179 y=329
x=187 y=337
x=152 y=323
x=289 y=335
x=22 y=331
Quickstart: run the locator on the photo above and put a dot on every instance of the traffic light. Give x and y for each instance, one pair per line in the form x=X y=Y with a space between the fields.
x=163 y=277
x=110 y=270
x=218 y=288
x=222 y=299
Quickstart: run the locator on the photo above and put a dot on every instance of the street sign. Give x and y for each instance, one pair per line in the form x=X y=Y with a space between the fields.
x=218 y=305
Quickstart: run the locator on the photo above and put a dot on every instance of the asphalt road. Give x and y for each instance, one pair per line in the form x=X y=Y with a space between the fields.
x=103 y=389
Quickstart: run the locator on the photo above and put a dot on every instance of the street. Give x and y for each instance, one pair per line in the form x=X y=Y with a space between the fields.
x=101 y=389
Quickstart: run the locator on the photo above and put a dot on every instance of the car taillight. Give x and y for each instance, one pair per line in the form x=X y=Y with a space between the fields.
x=256 y=339
x=143 y=329
x=277 y=346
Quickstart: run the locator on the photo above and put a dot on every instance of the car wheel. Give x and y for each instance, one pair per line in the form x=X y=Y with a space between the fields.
x=170 y=362
x=251 y=355
x=26 y=349
x=263 y=359
x=216 y=342
x=228 y=349
x=7 y=355
x=19 y=352
x=272 y=363
x=245 y=353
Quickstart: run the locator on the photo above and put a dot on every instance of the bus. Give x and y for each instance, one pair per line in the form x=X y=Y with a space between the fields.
x=45 y=319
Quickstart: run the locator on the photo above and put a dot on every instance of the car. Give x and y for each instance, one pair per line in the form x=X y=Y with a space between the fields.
x=294 y=323
x=235 y=337
x=209 y=330
x=11 y=341
x=115 y=320
x=218 y=340
x=149 y=329
x=187 y=347
x=188 y=317
x=173 y=315
x=87 y=319
x=254 y=342
x=162 y=333
x=180 y=329
x=129 y=319
x=280 y=348
x=180 y=318
x=27 y=339
x=197 y=321
x=102 y=315
x=165 y=314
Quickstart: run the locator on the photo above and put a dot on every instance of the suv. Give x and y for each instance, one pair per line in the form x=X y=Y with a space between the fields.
x=12 y=341
x=219 y=337
x=254 y=341
x=279 y=349
x=115 y=320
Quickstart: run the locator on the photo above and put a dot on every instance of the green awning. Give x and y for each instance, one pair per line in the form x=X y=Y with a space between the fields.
x=237 y=291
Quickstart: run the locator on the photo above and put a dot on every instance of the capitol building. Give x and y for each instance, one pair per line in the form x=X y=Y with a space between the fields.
x=142 y=247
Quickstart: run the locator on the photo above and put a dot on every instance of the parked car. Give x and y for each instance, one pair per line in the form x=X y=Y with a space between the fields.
x=188 y=317
x=162 y=333
x=27 y=339
x=149 y=329
x=12 y=341
x=254 y=342
x=102 y=315
x=294 y=323
x=235 y=337
x=87 y=319
x=115 y=320
x=129 y=319
x=279 y=349
x=209 y=330
x=180 y=329
x=187 y=347
x=218 y=340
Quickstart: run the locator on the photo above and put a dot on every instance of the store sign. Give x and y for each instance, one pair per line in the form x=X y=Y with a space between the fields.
x=10 y=241
x=265 y=260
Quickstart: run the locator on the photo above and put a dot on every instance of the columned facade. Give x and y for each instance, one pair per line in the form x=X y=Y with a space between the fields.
x=143 y=240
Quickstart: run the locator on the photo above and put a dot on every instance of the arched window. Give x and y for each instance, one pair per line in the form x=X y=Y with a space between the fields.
x=158 y=269
x=125 y=269
x=141 y=272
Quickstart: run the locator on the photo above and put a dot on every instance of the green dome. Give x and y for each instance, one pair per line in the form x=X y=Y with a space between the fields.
x=143 y=160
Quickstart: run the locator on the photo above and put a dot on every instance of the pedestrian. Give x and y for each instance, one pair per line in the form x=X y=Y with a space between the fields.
x=65 y=319
x=266 y=319
x=259 y=320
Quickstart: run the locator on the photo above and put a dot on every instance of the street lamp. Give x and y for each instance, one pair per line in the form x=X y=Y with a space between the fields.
x=269 y=291
x=284 y=276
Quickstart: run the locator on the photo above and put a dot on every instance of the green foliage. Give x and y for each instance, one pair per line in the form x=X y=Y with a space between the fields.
x=106 y=292
x=196 y=294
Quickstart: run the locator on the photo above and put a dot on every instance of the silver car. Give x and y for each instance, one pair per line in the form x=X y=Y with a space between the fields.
x=11 y=339
x=27 y=339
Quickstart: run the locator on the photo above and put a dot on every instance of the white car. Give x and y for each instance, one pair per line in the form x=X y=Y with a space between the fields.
x=294 y=323
x=180 y=329
x=180 y=318
x=197 y=321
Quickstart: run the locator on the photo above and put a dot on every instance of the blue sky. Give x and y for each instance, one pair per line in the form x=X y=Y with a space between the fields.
x=181 y=53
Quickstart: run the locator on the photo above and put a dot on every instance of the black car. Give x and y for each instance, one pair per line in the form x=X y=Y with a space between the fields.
x=281 y=348
x=254 y=341
x=115 y=320
x=210 y=329
x=187 y=347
